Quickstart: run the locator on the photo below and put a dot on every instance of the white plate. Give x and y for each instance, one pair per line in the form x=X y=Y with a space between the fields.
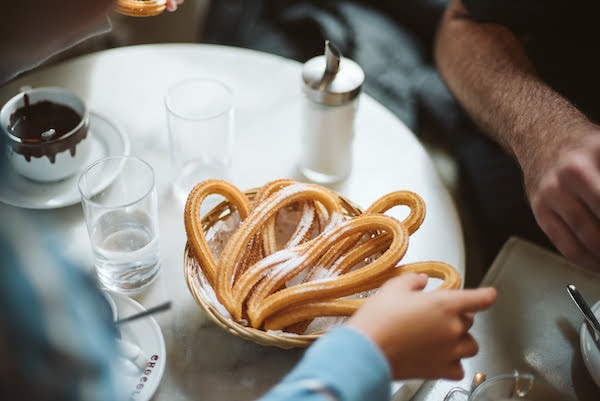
x=146 y=334
x=107 y=140
x=589 y=350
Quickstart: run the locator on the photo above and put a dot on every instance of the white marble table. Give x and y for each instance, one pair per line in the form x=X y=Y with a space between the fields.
x=127 y=85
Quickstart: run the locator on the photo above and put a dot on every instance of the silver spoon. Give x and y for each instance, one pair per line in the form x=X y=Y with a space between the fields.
x=150 y=311
x=46 y=135
x=585 y=309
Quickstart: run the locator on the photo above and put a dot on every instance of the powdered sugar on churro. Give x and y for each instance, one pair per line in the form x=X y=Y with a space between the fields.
x=274 y=262
x=320 y=273
x=267 y=206
x=334 y=221
x=283 y=269
x=292 y=226
x=304 y=225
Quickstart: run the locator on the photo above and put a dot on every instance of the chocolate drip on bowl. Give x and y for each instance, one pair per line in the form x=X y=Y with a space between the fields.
x=45 y=128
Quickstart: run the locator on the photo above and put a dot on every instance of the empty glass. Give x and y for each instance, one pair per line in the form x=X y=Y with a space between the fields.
x=506 y=387
x=200 y=120
x=120 y=208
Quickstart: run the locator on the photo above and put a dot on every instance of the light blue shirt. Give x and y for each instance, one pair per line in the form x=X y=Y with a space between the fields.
x=343 y=365
x=57 y=339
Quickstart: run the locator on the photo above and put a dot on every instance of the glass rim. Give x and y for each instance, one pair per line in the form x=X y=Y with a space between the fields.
x=514 y=375
x=87 y=199
x=206 y=117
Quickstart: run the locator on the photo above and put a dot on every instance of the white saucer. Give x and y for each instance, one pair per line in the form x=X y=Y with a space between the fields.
x=589 y=350
x=107 y=140
x=146 y=334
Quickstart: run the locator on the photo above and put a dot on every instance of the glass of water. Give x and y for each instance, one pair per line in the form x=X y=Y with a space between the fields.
x=200 y=121
x=120 y=208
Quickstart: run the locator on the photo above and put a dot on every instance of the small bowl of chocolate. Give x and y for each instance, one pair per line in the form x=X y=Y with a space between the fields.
x=46 y=129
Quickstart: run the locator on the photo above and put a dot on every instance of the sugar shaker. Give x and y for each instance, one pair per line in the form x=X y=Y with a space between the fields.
x=331 y=85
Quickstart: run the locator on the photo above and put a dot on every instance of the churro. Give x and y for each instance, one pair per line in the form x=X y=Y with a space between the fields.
x=339 y=256
x=193 y=227
x=140 y=8
x=306 y=312
x=346 y=307
x=251 y=226
x=402 y=198
x=260 y=306
x=412 y=222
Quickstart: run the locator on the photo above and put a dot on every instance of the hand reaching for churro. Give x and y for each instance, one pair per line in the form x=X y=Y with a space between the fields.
x=422 y=334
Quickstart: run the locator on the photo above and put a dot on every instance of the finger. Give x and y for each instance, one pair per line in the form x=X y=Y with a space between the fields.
x=409 y=282
x=466 y=347
x=580 y=220
x=582 y=177
x=473 y=300
x=171 y=5
x=454 y=371
x=468 y=320
x=562 y=237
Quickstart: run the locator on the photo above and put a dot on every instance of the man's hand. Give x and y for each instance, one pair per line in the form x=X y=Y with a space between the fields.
x=172 y=4
x=422 y=334
x=564 y=191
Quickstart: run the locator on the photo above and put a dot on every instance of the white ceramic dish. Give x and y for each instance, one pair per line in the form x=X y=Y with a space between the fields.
x=589 y=350
x=105 y=140
x=141 y=385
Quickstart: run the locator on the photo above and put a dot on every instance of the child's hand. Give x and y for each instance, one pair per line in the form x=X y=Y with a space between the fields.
x=422 y=334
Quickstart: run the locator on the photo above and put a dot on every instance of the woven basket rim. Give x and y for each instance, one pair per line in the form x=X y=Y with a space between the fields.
x=269 y=338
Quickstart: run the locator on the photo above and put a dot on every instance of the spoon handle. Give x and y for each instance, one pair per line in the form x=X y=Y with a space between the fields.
x=150 y=311
x=584 y=307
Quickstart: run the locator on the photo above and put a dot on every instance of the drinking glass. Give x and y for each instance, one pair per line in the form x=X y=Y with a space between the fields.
x=200 y=122
x=120 y=208
x=505 y=387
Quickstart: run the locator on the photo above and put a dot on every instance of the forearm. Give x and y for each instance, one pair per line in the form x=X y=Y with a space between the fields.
x=486 y=68
x=343 y=365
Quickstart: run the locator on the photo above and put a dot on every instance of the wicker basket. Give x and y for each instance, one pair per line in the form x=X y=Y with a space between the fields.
x=277 y=339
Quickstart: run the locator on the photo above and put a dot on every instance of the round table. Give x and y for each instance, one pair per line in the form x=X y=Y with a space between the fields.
x=127 y=86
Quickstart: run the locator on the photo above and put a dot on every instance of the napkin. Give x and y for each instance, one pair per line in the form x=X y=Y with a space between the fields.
x=132 y=358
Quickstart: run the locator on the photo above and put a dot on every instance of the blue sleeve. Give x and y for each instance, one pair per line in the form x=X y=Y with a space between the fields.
x=343 y=365
x=56 y=330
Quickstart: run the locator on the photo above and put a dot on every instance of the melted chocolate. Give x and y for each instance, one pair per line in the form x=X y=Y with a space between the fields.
x=29 y=122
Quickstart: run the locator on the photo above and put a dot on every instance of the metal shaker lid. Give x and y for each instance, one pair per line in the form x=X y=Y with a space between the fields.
x=331 y=79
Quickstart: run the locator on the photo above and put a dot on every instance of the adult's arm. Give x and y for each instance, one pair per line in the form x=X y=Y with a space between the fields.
x=486 y=67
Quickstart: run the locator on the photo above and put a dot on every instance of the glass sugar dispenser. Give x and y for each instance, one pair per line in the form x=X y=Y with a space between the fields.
x=331 y=84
